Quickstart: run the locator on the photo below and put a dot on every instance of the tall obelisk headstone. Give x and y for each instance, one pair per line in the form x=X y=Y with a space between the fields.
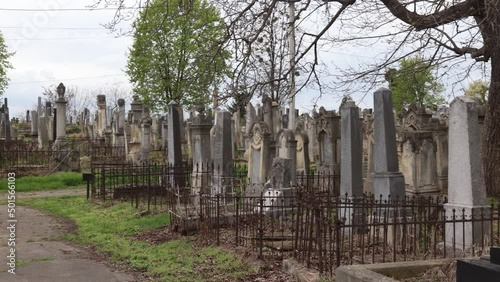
x=388 y=180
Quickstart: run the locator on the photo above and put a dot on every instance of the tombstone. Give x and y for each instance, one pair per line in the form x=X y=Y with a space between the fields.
x=34 y=125
x=418 y=156
x=222 y=154
x=174 y=147
x=134 y=120
x=120 y=124
x=388 y=180
x=286 y=147
x=146 y=122
x=28 y=116
x=200 y=149
x=156 y=133
x=101 y=115
x=302 y=151
x=164 y=132
x=48 y=109
x=6 y=118
x=368 y=146
x=276 y=117
x=259 y=156
x=327 y=125
x=250 y=118
x=351 y=178
x=61 y=114
x=267 y=111
x=466 y=188
x=39 y=107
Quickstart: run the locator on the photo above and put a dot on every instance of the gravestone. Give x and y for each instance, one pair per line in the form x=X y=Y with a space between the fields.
x=287 y=148
x=146 y=122
x=61 y=116
x=388 y=180
x=200 y=149
x=101 y=115
x=222 y=154
x=267 y=111
x=302 y=151
x=351 y=178
x=119 y=129
x=259 y=161
x=7 y=132
x=134 y=120
x=34 y=125
x=466 y=188
x=39 y=107
x=174 y=146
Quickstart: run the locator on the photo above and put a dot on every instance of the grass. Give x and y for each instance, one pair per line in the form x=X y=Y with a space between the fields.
x=23 y=262
x=109 y=230
x=61 y=180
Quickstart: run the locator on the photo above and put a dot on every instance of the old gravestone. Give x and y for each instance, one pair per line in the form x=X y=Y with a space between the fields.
x=222 y=154
x=200 y=149
x=174 y=146
x=466 y=188
x=259 y=159
x=388 y=180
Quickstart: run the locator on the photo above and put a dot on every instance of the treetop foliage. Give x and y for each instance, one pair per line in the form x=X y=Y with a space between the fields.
x=5 y=65
x=177 y=53
x=414 y=82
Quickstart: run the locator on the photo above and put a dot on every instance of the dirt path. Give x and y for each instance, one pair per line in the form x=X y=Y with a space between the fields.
x=42 y=256
x=52 y=193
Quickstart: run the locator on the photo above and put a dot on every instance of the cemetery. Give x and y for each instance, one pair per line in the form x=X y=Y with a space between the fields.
x=332 y=190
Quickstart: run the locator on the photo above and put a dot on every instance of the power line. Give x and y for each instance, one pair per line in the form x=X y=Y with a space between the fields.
x=66 y=79
x=57 y=28
x=66 y=9
x=65 y=38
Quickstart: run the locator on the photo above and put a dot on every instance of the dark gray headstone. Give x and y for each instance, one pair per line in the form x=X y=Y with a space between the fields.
x=388 y=180
x=351 y=178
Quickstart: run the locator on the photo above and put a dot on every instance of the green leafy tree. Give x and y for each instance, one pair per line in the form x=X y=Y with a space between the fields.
x=478 y=89
x=414 y=82
x=4 y=64
x=177 y=54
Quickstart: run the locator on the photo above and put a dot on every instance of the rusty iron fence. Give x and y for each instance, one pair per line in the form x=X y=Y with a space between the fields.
x=310 y=222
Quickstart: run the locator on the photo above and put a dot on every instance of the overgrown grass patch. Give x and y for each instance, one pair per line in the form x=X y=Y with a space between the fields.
x=61 y=180
x=109 y=230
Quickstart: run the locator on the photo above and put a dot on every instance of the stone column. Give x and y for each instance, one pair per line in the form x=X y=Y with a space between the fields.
x=39 y=107
x=287 y=148
x=388 y=180
x=34 y=124
x=120 y=124
x=146 y=134
x=466 y=188
x=267 y=105
x=61 y=115
x=134 y=143
x=101 y=115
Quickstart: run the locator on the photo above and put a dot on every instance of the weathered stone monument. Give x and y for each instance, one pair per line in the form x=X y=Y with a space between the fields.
x=466 y=188
x=119 y=128
x=286 y=147
x=388 y=180
x=174 y=146
x=146 y=122
x=351 y=178
x=222 y=154
x=134 y=119
x=327 y=127
x=200 y=148
x=302 y=150
x=259 y=157
x=61 y=116
x=101 y=116
x=34 y=125
x=45 y=125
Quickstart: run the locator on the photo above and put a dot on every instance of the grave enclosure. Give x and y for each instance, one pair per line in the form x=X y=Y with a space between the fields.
x=359 y=186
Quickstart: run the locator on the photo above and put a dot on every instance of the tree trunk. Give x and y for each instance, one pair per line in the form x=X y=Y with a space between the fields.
x=491 y=152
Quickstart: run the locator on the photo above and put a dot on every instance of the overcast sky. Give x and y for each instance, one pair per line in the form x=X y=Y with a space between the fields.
x=64 y=46
x=72 y=47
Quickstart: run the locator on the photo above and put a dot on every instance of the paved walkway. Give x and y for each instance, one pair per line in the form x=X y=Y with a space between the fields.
x=41 y=255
